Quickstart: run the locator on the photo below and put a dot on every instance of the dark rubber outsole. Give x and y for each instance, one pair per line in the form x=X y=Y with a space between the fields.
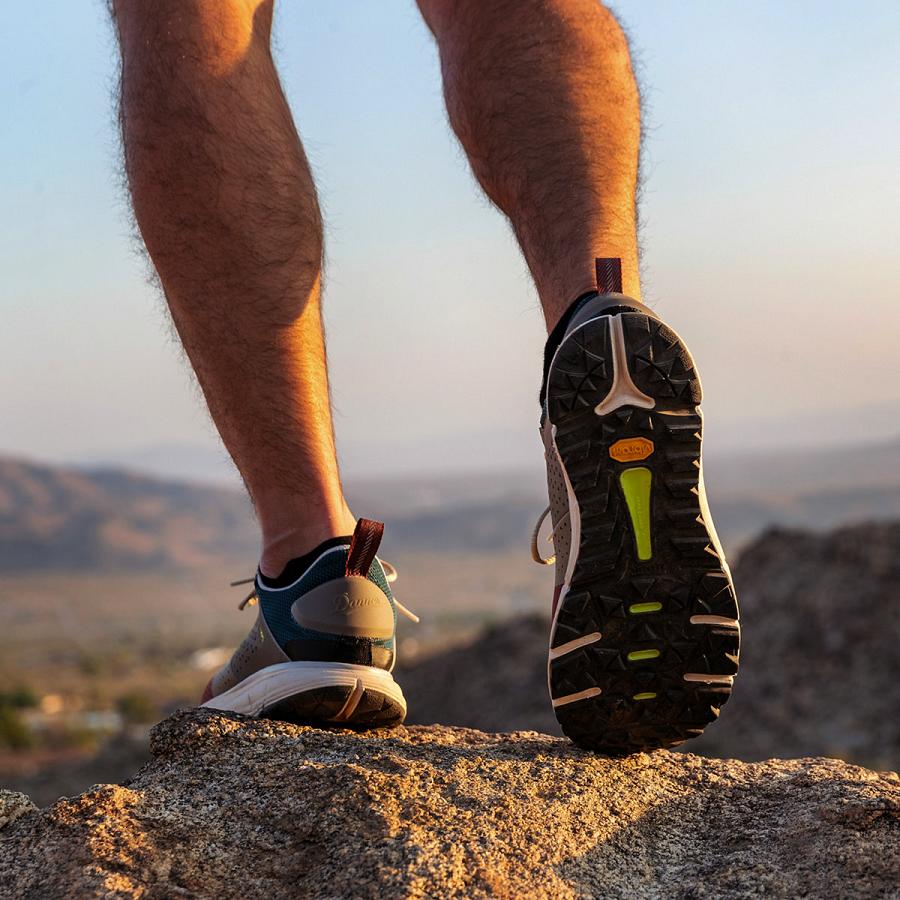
x=630 y=681
x=324 y=706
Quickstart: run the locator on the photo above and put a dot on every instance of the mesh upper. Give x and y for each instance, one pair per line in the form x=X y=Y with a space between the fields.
x=276 y=604
x=559 y=508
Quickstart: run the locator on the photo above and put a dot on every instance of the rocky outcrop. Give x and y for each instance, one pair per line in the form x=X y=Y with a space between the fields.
x=235 y=807
x=821 y=627
x=14 y=805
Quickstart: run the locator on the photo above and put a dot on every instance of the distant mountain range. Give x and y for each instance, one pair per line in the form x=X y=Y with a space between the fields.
x=56 y=518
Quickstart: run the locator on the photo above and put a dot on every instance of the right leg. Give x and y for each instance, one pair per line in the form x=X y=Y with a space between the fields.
x=226 y=205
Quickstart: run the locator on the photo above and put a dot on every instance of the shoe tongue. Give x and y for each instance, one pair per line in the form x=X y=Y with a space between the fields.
x=296 y=567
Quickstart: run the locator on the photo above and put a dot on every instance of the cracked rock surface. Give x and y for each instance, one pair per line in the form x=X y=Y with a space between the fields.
x=233 y=807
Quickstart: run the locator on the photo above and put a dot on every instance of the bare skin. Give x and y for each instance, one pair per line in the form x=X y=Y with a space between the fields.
x=226 y=205
x=542 y=97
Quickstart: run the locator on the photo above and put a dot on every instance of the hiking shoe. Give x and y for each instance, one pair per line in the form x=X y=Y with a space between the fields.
x=323 y=645
x=645 y=635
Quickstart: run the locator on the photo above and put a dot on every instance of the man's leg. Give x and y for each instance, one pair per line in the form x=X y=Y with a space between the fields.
x=644 y=638
x=227 y=207
x=542 y=96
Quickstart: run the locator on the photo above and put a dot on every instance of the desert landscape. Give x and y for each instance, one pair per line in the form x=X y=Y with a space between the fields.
x=115 y=608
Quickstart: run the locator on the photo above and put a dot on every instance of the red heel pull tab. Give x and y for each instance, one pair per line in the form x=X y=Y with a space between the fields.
x=363 y=546
x=609 y=275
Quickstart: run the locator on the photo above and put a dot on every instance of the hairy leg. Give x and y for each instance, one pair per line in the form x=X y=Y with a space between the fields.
x=227 y=207
x=542 y=96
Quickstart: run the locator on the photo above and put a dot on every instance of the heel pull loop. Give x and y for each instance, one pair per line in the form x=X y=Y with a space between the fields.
x=363 y=546
x=609 y=275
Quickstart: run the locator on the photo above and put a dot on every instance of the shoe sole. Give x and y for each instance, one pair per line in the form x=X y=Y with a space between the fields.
x=645 y=639
x=318 y=693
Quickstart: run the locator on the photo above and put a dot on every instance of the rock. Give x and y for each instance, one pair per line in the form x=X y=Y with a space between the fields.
x=496 y=682
x=13 y=805
x=821 y=627
x=234 y=807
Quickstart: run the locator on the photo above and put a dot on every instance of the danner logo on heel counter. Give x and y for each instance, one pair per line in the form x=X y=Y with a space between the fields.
x=344 y=603
x=351 y=606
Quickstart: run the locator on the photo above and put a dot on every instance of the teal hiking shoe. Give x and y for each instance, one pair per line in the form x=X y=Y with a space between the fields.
x=324 y=642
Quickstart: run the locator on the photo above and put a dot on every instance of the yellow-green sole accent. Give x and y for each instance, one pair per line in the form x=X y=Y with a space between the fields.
x=637 y=609
x=635 y=655
x=636 y=488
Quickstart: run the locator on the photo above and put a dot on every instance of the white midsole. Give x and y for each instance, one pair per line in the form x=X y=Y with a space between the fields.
x=268 y=686
x=574 y=510
x=574 y=541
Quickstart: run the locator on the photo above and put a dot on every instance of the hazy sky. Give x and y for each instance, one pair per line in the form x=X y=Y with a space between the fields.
x=771 y=219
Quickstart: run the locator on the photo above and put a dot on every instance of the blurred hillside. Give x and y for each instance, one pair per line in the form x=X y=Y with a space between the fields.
x=54 y=519
x=115 y=605
x=60 y=519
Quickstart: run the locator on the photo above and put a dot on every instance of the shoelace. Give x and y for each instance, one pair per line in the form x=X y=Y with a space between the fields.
x=535 y=549
x=389 y=571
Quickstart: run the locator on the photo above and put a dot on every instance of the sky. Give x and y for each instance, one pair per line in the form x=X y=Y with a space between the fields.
x=770 y=238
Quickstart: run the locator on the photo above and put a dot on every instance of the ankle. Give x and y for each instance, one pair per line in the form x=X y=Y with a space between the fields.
x=569 y=278
x=285 y=538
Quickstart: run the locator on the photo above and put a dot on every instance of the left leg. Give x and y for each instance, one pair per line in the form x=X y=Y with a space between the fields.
x=643 y=645
x=226 y=204
x=542 y=96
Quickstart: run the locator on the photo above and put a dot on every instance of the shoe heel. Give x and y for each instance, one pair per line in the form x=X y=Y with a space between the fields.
x=351 y=707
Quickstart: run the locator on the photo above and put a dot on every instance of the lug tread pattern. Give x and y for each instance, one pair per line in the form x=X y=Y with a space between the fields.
x=319 y=707
x=583 y=373
x=659 y=363
x=685 y=573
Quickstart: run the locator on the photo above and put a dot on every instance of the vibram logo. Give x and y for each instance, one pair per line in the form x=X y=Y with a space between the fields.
x=631 y=449
x=343 y=603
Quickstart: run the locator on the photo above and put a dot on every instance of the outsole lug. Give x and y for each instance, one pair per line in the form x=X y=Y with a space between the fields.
x=630 y=698
x=323 y=707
